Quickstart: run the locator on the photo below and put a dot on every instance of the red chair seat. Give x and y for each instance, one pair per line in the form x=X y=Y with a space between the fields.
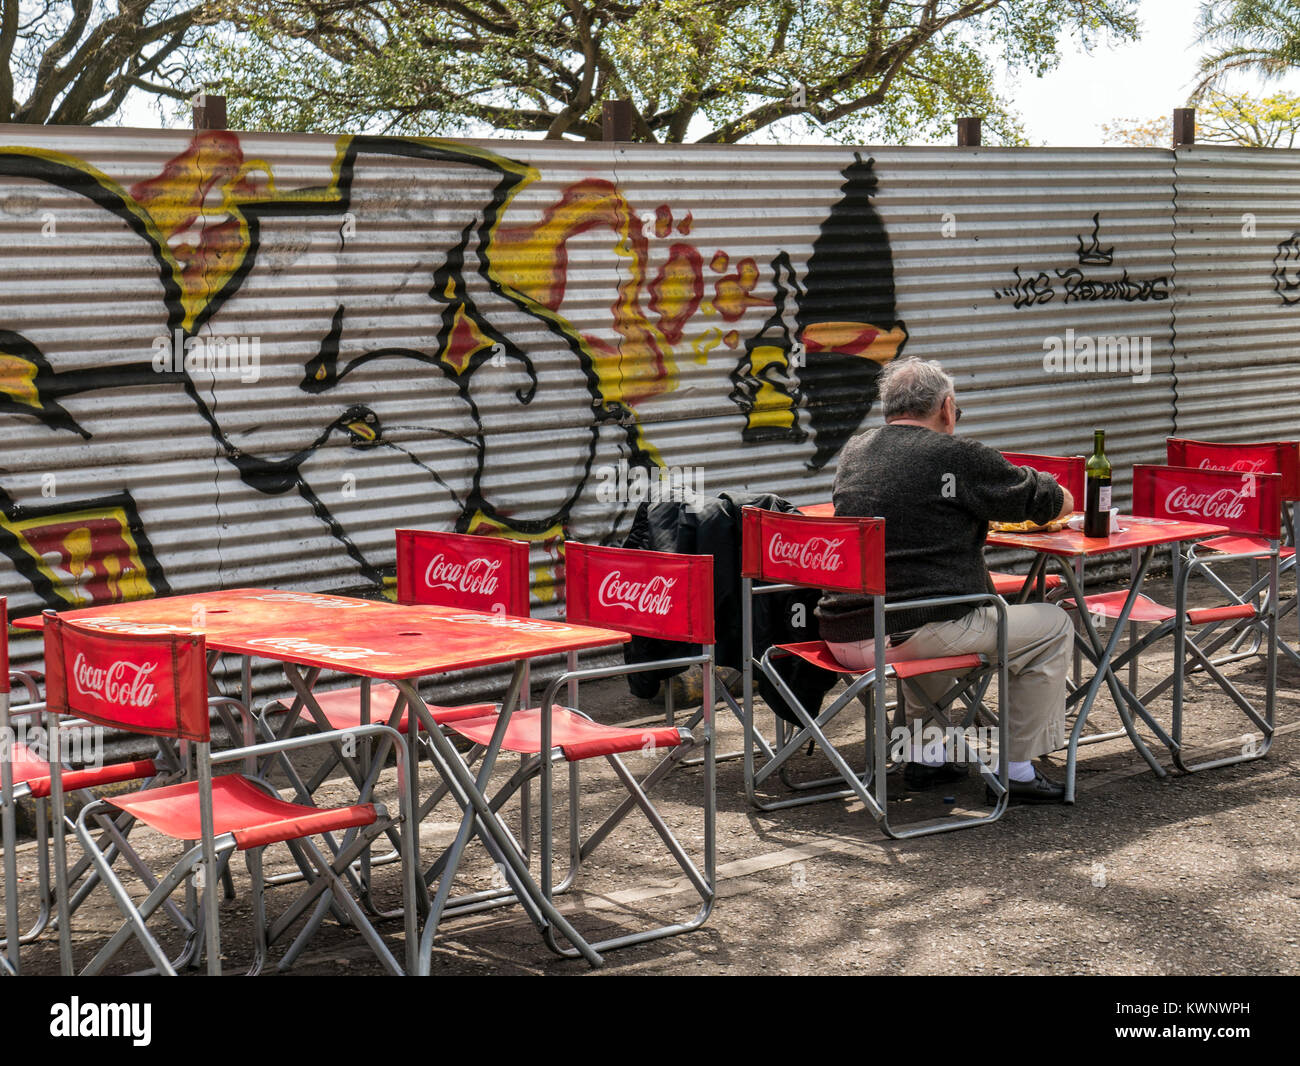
x=342 y=707
x=1109 y=605
x=577 y=737
x=1244 y=546
x=239 y=807
x=817 y=653
x=27 y=765
x=1010 y=584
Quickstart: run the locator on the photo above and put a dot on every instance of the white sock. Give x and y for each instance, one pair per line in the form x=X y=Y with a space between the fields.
x=1021 y=771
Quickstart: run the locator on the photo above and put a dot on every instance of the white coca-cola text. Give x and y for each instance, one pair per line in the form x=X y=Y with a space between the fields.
x=332 y=602
x=127 y=625
x=501 y=621
x=477 y=576
x=652 y=597
x=1247 y=466
x=1223 y=503
x=815 y=553
x=299 y=646
x=125 y=683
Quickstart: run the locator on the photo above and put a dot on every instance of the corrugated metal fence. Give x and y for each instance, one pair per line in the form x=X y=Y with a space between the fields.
x=244 y=359
x=1236 y=360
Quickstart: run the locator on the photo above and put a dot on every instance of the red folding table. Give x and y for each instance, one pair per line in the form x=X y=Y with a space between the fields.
x=381 y=641
x=1067 y=546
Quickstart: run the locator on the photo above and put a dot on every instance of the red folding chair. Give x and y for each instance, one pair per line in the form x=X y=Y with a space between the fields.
x=848 y=554
x=659 y=594
x=157 y=686
x=1068 y=470
x=1249 y=505
x=1069 y=473
x=26 y=774
x=459 y=570
x=1270 y=457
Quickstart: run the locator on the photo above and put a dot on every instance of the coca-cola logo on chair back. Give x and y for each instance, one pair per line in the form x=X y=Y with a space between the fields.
x=145 y=684
x=1069 y=471
x=845 y=554
x=1245 y=503
x=650 y=594
x=463 y=571
x=1270 y=457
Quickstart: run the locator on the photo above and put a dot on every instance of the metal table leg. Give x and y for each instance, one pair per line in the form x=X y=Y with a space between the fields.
x=1105 y=674
x=480 y=817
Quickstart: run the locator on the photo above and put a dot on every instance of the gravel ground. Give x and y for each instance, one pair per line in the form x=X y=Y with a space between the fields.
x=1182 y=875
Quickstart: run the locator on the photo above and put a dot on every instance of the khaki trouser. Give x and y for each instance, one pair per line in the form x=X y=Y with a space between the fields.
x=1039 y=639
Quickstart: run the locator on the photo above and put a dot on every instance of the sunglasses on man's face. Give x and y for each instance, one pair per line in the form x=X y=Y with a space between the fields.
x=956 y=413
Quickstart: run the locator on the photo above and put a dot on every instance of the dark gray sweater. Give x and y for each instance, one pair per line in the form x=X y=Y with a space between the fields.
x=937 y=495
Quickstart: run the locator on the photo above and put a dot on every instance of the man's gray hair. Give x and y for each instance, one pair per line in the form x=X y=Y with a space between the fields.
x=913 y=388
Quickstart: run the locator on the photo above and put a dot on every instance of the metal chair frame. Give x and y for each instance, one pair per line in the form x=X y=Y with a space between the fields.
x=871 y=686
x=410 y=592
x=203 y=864
x=1263 y=597
x=1274 y=457
x=542 y=764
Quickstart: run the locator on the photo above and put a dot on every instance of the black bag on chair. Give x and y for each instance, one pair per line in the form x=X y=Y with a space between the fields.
x=705 y=525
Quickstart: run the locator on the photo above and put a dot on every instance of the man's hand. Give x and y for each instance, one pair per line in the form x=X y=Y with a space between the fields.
x=1067 y=506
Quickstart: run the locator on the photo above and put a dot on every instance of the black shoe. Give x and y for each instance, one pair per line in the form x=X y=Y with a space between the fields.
x=1039 y=790
x=918 y=777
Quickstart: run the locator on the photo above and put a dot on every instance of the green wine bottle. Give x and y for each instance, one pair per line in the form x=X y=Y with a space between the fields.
x=1096 y=514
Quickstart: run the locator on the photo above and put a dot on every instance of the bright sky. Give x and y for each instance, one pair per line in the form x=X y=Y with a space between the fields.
x=1138 y=80
x=1067 y=107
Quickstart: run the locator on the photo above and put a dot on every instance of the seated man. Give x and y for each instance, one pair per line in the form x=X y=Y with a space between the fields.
x=937 y=494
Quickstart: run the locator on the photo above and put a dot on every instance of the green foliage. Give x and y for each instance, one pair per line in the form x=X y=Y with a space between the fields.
x=708 y=70
x=1271 y=122
x=1221 y=118
x=1258 y=36
x=1139 y=133
x=76 y=61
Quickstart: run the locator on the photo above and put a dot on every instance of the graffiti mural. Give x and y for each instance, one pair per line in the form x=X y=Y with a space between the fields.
x=1074 y=285
x=1286 y=270
x=98 y=553
x=250 y=359
x=829 y=336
